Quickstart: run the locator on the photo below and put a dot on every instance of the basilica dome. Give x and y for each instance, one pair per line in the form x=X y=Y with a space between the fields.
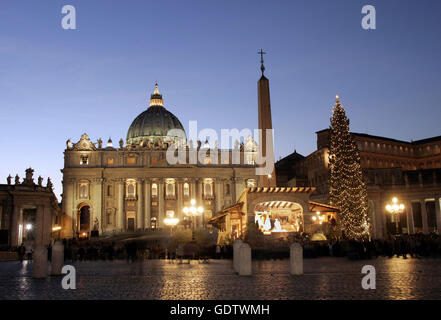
x=154 y=125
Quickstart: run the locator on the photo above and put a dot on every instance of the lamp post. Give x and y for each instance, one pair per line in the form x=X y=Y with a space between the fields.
x=193 y=211
x=395 y=209
x=171 y=222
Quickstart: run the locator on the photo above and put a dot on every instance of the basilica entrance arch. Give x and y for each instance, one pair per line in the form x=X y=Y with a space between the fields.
x=83 y=218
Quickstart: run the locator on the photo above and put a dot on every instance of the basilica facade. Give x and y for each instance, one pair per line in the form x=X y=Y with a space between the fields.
x=132 y=186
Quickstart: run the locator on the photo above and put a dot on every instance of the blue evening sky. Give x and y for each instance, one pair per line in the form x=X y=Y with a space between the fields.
x=56 y=84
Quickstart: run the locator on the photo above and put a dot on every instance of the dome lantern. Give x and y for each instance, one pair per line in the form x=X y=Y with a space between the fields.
x=156 y=98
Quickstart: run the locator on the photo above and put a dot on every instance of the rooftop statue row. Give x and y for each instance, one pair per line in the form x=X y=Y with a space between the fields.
x=85 y=144
x=29 y=180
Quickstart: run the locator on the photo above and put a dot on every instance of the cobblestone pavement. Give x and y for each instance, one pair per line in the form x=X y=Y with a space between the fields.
x=324 y=278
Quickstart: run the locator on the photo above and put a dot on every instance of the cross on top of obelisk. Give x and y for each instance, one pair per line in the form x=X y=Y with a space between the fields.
x=262 y=67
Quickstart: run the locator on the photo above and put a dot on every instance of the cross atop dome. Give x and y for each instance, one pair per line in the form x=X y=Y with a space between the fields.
x=156 y=98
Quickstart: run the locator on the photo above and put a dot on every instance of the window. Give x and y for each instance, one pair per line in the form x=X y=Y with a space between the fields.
x=227 y=189
x=109 y=191
x=109 y=216
x=186 y=190
x=84 y=160
x=131 y=160
x=131 y=188
x=110 y=161
x=208 y=187
x=84 y=186
x=170 y=187
x=154 y=190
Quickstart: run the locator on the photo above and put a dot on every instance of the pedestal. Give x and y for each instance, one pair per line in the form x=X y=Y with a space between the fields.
x=39 y=263
x=236 y=257
x=296 y=259
x=245 y=268
x=57 y=258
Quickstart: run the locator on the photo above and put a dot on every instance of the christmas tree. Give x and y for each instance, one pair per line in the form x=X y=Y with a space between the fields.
x=347 y=187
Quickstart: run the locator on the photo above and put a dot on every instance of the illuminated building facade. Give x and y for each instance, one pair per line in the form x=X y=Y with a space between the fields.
x=133 y=187
x=410 y=171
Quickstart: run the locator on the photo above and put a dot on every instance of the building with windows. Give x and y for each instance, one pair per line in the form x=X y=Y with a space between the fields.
x=409 y=171
x=134 y=187
x=28 y=211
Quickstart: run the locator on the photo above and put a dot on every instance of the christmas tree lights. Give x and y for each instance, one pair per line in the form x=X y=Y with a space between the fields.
x=347 y=188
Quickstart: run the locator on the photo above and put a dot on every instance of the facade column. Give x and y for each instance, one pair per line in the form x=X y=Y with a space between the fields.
x=383 y=220
x=147 y=203
x=239 y=186
x=15 y=225
x=193 y=189
x=140 y=202
x=219 y=195
x=96 y=198
x=199 y=200
x=424 y=216
x=409 y=217
x=372 y=216
x=233 y=189
x=438 y=214
x=161 y=213
x=121 y=214
x=180 y=199
x=379 y=231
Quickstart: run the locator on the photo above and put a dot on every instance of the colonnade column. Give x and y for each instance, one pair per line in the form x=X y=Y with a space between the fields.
x=147 y=203
x=424 y=216
x=140 y=202
x=121 y=214
x=409 y=217
x=14 y=226
x=69 y=218
x=47 y=224
x=161 y=213
x=438 y=214
x=39 y=226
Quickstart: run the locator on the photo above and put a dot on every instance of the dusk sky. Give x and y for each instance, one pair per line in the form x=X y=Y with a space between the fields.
x=56 y=84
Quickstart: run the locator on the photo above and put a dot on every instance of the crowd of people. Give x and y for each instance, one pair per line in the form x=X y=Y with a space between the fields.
x=416 y=246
